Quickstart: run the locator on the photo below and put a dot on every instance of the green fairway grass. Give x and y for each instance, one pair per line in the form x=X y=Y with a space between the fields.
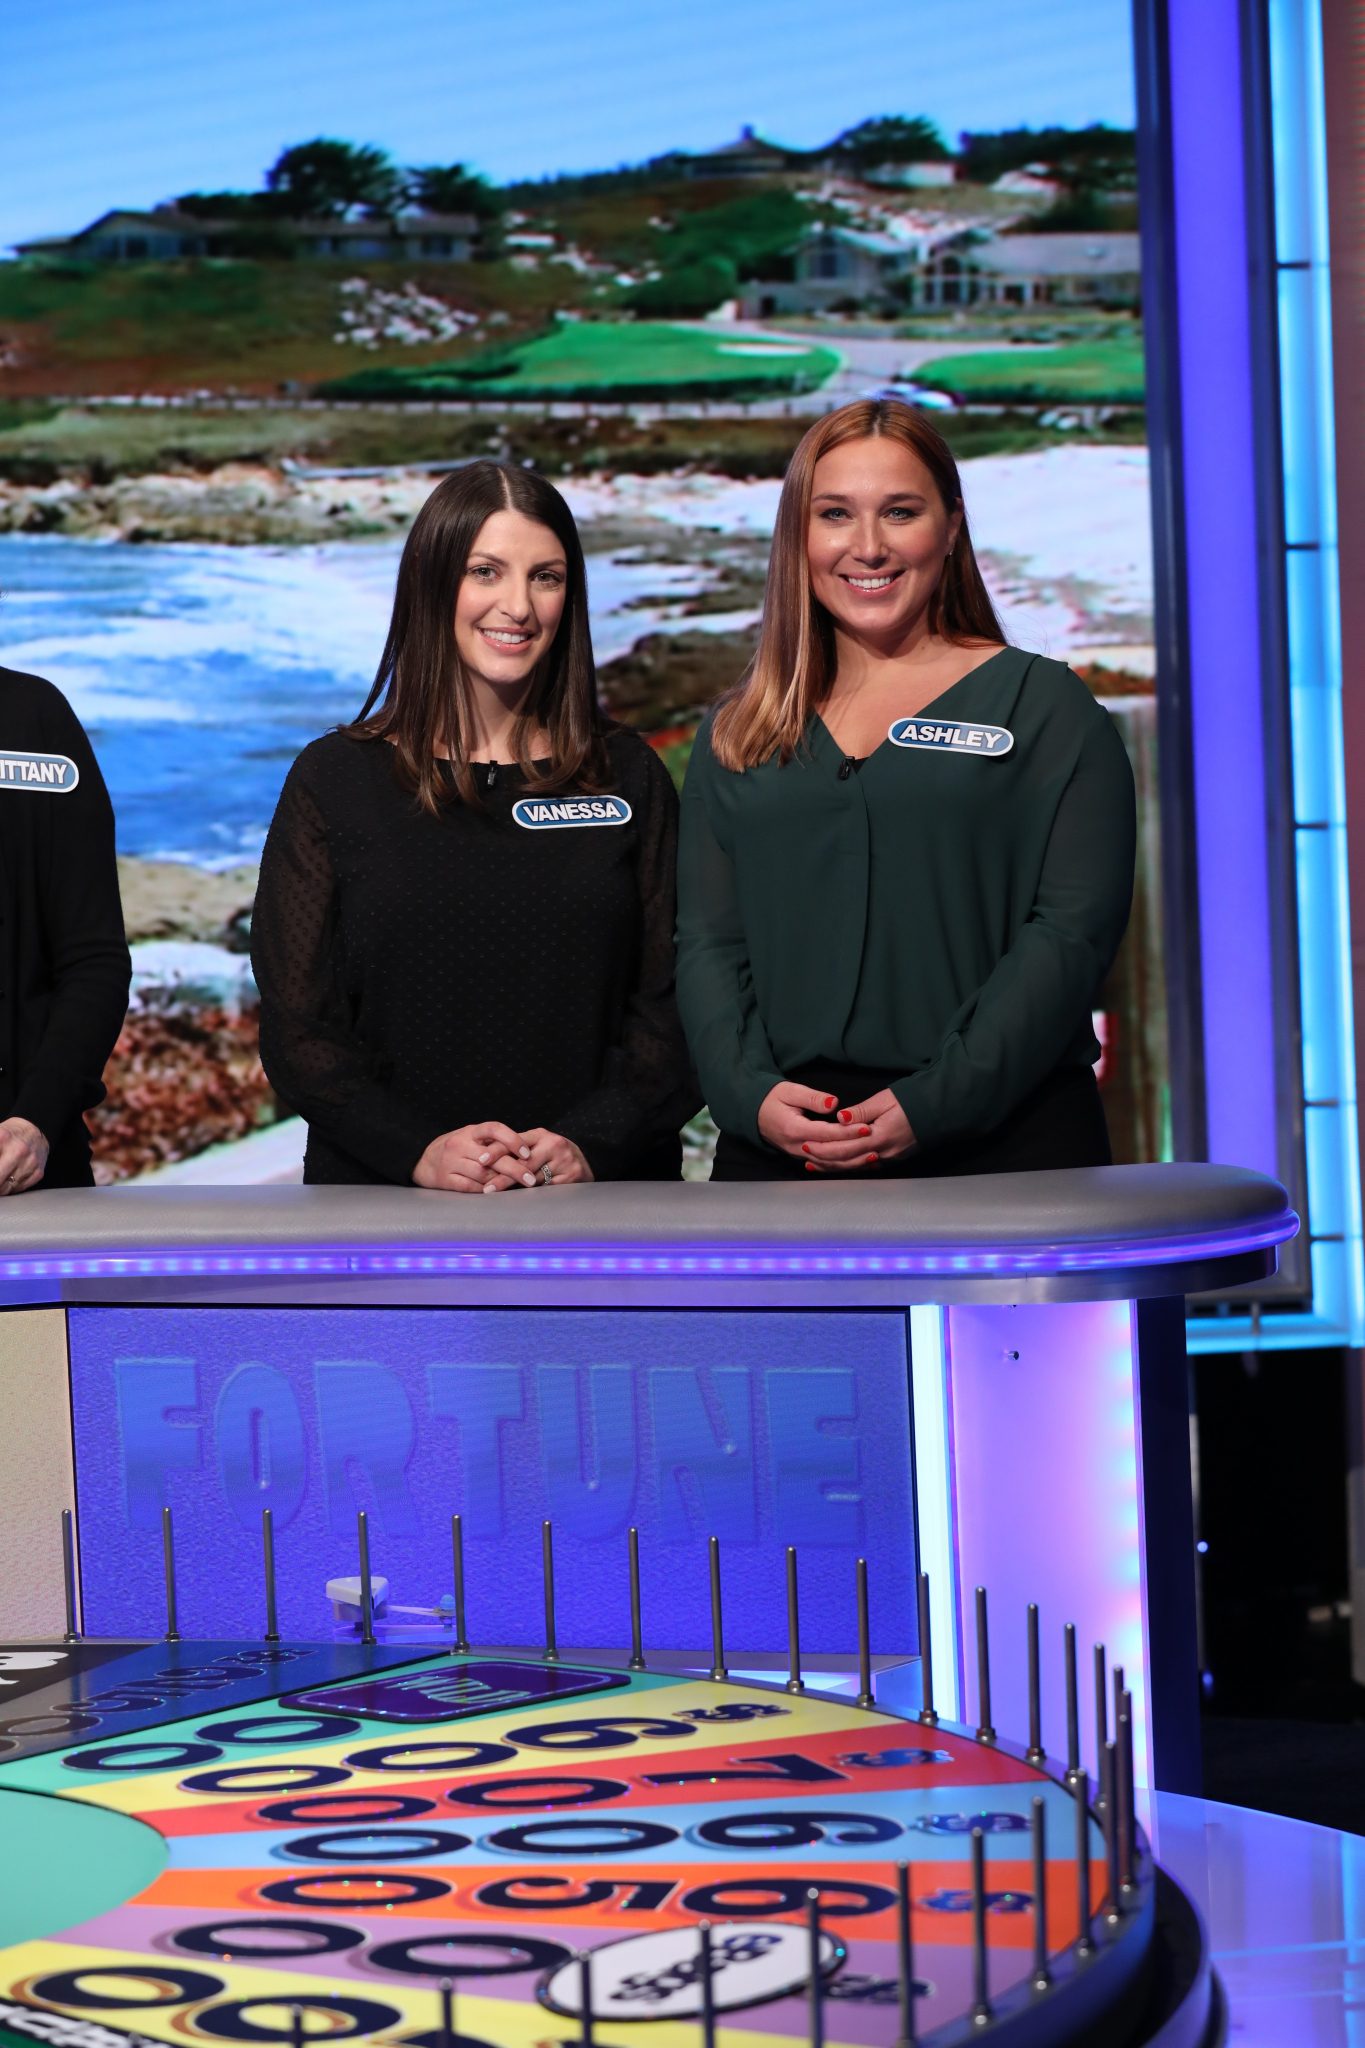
x=640 y=360
x=1103 y=373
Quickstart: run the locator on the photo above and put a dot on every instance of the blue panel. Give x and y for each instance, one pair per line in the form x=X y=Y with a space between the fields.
x=1328 y=1210
x=151 y=1442
x=1222 y=567
x=262 y=1454
x=368 y=1437
x=703 y=1453
x=1314 y=626
x=761 y=1428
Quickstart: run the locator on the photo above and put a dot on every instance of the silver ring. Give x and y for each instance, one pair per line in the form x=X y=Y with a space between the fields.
x=545 y=1173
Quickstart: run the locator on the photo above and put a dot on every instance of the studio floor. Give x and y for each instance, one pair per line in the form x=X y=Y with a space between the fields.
x=1284 y=1903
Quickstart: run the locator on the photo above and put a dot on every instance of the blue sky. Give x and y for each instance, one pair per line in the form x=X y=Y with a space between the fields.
x=132 y=101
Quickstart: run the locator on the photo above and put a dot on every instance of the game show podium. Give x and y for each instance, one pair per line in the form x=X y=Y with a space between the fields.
x=981 y=1378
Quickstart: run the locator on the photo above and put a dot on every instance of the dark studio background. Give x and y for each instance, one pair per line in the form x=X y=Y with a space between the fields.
x=1284 y=1721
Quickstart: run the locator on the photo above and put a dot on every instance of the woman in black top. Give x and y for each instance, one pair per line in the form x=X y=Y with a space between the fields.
x=63 y=958
x=463 y=936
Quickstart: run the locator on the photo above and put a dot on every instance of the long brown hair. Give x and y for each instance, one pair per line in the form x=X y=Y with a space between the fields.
x=421 y=677
x=793 y=666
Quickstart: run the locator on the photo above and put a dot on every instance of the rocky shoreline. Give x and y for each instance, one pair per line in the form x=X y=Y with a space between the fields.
x=169 y=899
x=186 y=1072
x=239 y=503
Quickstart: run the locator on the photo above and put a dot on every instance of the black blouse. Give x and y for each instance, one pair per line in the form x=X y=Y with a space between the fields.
x=418 y=973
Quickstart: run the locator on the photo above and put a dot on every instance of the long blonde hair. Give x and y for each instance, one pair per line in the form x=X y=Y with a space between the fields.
x=793 y=666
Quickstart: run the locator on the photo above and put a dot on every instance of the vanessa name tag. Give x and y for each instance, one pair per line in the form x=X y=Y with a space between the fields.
x=542 y=813
x=990 y=741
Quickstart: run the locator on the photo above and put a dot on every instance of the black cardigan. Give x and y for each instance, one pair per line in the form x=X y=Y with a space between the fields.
x=64 y=966
x=419 y=973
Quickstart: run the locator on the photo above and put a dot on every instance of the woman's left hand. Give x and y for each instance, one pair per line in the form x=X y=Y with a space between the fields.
x=23 y=1155
x=882 y=1132
x=546 y=1148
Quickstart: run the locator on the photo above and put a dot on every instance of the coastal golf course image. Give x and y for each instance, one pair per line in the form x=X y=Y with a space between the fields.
x=610 y=360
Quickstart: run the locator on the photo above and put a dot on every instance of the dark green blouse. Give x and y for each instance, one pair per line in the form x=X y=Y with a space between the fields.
x=943 y=915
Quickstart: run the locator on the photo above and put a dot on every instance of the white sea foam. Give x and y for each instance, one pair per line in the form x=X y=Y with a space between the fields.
x=1066 y=533
x=187 y=970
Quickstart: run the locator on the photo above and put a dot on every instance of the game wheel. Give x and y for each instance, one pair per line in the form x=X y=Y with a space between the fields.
x=677 y=1833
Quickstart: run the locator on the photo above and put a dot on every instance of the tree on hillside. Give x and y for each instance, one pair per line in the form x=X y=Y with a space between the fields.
x=454 y=188
x=322 y=180
x=1094 y=159
x=706 y=254
x=236 y=206
x=755 y=233
x=688 y=291
x=891 y=139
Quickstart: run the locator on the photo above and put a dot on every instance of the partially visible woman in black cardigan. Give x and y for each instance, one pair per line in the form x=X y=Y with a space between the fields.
x=463 y=935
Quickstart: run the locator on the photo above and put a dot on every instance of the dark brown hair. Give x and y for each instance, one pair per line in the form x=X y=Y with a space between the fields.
x=793 y=666
x=421 y=677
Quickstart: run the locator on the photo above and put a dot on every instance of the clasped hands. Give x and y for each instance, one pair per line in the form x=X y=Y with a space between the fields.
x=488 y=1158
x=862 y=1135
x=23 y=1155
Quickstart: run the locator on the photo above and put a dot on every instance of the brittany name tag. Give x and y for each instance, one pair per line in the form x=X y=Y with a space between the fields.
x=541 y=813
x=50 y=774
x=992 y=741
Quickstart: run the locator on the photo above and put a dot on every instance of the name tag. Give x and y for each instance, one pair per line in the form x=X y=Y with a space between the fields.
x=51 y=774
x=992 y=741
x=545 y=813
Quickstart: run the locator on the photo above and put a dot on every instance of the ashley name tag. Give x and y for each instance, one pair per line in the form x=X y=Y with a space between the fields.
x=52 y=774
x=989 y=740
x=539 y=813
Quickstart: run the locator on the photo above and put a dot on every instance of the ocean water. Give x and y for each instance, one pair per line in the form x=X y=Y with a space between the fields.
x=200 y=671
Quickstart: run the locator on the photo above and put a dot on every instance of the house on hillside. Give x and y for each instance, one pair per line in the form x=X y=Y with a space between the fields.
x=1034 y=181
x=122 y=236
x=906 y=263
x=937 y=172
x=748 y=156
x=842 y=266
x=448 y=237
x=1063 y=269
x=166 y=235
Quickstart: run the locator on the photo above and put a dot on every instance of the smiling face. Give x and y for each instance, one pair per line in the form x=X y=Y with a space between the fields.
x=510 y=601
x=878 y=536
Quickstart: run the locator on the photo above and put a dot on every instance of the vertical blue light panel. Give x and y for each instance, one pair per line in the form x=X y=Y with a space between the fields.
x=1224 y=636
x=762 y=1429
x=1306 y=463
x=1304 y=295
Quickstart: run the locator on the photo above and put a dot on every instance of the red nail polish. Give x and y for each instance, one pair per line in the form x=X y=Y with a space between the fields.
x=866 y=1131
x=805 y=1148
x=829 y=1102
x=809 y=1167
x=845 y=1116
x=871 y=1159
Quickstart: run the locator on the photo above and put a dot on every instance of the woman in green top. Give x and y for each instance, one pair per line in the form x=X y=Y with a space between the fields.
x=906 y=858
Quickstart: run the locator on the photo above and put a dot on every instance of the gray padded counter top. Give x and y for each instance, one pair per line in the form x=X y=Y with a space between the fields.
x=1095 y=1233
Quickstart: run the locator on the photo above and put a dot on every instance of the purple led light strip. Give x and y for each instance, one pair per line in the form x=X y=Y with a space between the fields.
x=628 y=1259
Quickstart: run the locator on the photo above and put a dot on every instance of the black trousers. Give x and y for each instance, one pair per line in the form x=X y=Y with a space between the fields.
x=1061 y=1123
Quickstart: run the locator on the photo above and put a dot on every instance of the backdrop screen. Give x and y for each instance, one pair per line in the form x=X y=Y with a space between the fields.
x=270 y=268
x=762 y=1430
